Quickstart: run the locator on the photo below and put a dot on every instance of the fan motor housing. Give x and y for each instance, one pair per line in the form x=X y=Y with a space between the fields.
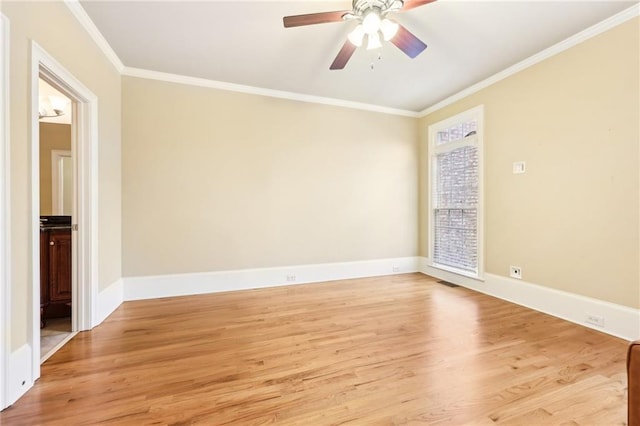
x=360 y=7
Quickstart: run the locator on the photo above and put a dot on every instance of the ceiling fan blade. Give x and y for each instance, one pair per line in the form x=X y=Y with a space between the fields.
x=313 y=18
x=411 y=45
x=343 y=56
x=412 y=4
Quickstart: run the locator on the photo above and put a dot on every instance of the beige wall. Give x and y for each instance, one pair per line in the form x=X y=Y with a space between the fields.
x=572 y=221
x=52 y=136
x=53 y=27
x=216 y=180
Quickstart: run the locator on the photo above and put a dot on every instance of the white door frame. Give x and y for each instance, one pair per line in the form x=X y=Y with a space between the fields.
x=85 y=209
x=57 y=180
x=5 y=271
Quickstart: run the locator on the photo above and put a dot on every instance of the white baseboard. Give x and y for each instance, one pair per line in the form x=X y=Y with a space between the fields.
x=20 y=377
x=108 y=301
x=151 y=287
x=620 y=321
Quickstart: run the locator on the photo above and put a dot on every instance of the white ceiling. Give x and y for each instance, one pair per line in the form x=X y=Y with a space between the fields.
x=244 y=42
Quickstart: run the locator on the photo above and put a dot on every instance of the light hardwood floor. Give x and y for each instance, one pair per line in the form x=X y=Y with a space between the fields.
x=399 y=349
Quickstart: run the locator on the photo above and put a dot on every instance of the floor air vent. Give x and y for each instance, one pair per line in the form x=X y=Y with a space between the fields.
x=448 y=284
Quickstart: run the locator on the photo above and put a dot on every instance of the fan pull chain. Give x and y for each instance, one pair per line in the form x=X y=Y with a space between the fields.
x=372 y=65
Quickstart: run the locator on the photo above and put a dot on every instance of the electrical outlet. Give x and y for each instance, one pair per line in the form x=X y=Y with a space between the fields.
x=515 y=272
x=291 y=278
x=396 y=268
x=518 y=167
x=596 y=320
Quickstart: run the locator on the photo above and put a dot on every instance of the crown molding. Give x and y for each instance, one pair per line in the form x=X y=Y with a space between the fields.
x=81 y=15
x=221 y=85
x=560 y=47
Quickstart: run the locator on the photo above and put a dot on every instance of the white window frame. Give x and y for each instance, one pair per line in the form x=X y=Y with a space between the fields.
x=476 y=113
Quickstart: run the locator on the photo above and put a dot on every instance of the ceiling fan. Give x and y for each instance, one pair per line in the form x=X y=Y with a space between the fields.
x=373 y=23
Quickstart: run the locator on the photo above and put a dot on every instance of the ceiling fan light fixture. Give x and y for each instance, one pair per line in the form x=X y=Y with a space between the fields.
x=388 y=29
x=356 y=36
x=371 y=22
x=374 y=41
x=395 y=6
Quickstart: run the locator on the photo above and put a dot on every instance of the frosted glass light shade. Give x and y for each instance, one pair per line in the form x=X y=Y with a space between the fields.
x=371 y=23
x=374 y=41
x=388 y=29
x=356 y=36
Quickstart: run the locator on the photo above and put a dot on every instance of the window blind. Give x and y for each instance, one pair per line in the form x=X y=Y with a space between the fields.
x=455 y=213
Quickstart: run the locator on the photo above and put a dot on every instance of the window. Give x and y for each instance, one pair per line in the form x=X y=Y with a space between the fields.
x=455 y=153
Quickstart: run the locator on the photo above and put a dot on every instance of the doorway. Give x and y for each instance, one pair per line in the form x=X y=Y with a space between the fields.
x=81 y=241
x=57 y=200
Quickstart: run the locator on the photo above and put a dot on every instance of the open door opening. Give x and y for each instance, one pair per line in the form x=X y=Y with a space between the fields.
x=70 y=254
x=57 y=200
x=20 y=367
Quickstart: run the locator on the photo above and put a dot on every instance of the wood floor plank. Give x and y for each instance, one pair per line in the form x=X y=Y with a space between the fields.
x=389 y=350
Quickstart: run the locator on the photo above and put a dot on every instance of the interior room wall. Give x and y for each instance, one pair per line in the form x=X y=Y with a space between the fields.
x=215 y=180
x=53 y=27
x=52 y=136
x=571 y=222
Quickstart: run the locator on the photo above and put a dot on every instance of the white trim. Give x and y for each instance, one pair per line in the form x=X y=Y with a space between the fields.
x=109 y=300
x=456 y=271
x=86 y=179
x=475 y=113
x=19 y=375
x=560 y=47
x=221 y=85
x=83 y=18
x=151 y=287
x=33 y=326
x=84 y=242
x=5 y=229
x=85 y=150
x=57 y=180
x=620 y=321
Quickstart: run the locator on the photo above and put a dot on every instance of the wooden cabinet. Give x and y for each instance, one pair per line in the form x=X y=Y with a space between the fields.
x=60 y=266
x=55 y=271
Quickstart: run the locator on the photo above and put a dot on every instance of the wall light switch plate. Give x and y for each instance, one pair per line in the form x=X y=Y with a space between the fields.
x=518 y=167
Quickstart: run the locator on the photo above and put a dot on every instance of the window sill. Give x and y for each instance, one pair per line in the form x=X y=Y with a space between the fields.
x=473 y=275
